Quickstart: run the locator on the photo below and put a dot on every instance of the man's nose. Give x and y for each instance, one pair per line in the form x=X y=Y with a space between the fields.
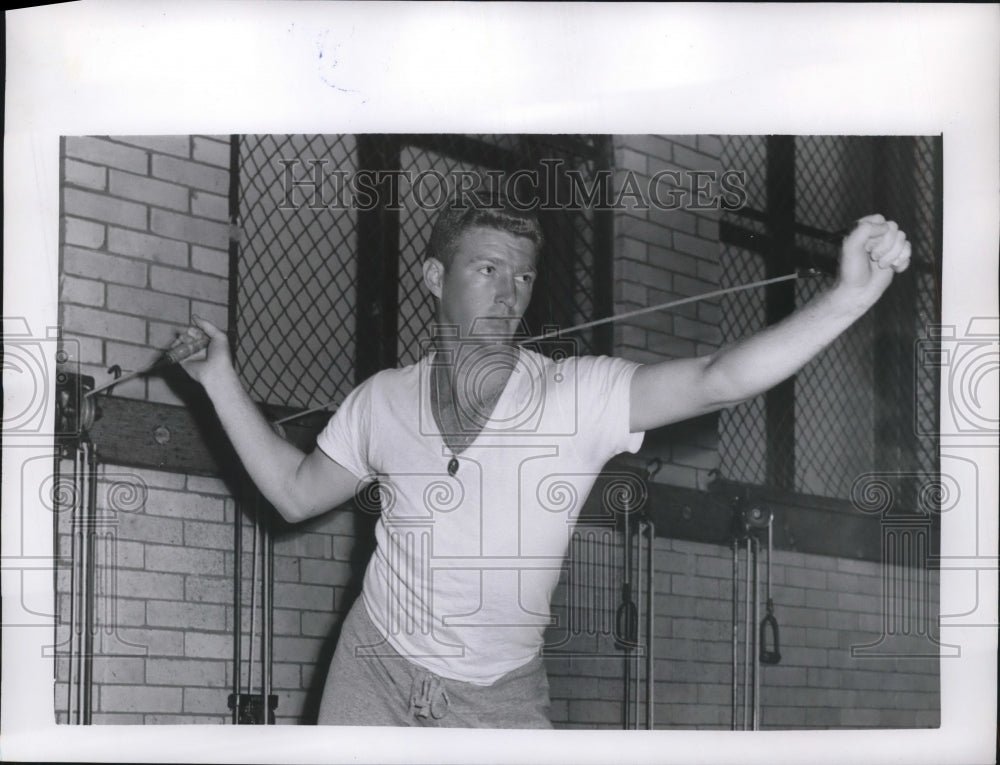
x=506 y=291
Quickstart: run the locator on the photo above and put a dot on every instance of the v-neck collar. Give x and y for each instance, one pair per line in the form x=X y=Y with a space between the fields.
x=428 y=372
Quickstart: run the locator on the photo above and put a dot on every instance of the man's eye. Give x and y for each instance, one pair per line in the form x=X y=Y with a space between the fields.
x=527 y=278
x=488 y=270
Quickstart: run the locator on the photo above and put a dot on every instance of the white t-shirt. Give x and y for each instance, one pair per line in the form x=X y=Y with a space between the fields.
x=465 y=565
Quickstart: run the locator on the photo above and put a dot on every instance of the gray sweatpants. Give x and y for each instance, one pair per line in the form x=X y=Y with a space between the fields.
x=390 y=690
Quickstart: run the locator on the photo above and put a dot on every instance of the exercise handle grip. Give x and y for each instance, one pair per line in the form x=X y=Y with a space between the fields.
x=189 y=346
x=769 y=656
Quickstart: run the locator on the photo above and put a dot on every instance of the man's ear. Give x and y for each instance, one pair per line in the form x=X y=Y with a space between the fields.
x=434 y=276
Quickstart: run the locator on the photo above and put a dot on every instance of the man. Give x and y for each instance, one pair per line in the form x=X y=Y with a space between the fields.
x=467 y=446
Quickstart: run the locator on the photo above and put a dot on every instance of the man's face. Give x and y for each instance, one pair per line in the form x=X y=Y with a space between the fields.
x=487 y=287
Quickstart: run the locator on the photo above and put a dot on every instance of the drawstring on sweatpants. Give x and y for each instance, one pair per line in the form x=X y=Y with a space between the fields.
x=429 y=698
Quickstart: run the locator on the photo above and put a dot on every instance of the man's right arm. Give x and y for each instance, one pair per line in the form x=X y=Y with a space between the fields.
x=299 y=485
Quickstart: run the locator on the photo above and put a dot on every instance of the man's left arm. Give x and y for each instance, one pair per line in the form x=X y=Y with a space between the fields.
x=678 y=389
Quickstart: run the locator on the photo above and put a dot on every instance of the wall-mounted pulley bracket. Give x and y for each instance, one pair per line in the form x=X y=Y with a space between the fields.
x=76 y=410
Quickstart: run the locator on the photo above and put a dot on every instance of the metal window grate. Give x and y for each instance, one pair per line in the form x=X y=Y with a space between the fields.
x=865 y=403
x=296 y=274
x=329 y=286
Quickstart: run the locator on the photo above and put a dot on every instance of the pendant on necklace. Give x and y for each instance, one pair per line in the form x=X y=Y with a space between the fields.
x=452 y=466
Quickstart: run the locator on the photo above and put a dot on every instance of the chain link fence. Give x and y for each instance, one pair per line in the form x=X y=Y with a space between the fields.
x=866 y=403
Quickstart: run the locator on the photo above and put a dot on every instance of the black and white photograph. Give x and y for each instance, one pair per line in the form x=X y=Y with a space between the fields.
x=354 y=422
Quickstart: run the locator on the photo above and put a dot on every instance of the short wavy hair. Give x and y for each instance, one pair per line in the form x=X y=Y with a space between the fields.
x=479 y=210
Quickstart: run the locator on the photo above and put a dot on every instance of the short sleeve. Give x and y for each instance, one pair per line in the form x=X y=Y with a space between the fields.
x=604 y=394
x=346 y=439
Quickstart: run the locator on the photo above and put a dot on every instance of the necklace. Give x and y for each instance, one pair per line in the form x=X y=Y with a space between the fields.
x=453 y=462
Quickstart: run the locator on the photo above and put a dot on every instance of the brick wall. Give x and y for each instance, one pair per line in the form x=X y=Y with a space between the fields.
x=824 y=606
x=663 y=255
x=145 y=240
x=145 y=246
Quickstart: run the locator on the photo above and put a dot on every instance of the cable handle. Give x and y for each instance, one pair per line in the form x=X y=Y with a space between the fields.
x=188 y=346
x=770 y=624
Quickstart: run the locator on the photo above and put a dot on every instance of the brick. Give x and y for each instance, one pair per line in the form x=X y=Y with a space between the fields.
x=305 y=544
x=186 y=672
x=688 y=286
x=286 y=676
x=184 y=560
x=630 y=295
x=803 y=617
x=297 y=649
x=146 y=698
x=84 y=233
x=118 y=670
x=211 y=151
x=194 y=174
x=669 y=346
x=210 y=261
x=189 y=229
x=101 y=151
x=86 y=204
x=291 y=703
x=716 y=695
x=190 y=506
x=644 y=274
x=325 y=572
x=805 y=577
x=654 y=236
x=286 y=569
x=679 y=221
x=287 y=621
x=698 y=331
x=821 y=599
x=147 y=247
x=217 y=536
x=860 y=567
x=213 y=206
x=203 y=286
x=145 y=302
x=82 y=349
x=108 y=268
x=146 y=584
x=161 y=613
x=848 y=601
x=306 y=596
x=206 y=589
x=207 y=700
x=207 y=485
x=140 y=188
x=178 y=145
x=82 y=291
x=702 y=249
x=629 y=248
x=317 y=623
x=86 y=175
x=129 y=555
x=104 y=323
x=709 y=312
